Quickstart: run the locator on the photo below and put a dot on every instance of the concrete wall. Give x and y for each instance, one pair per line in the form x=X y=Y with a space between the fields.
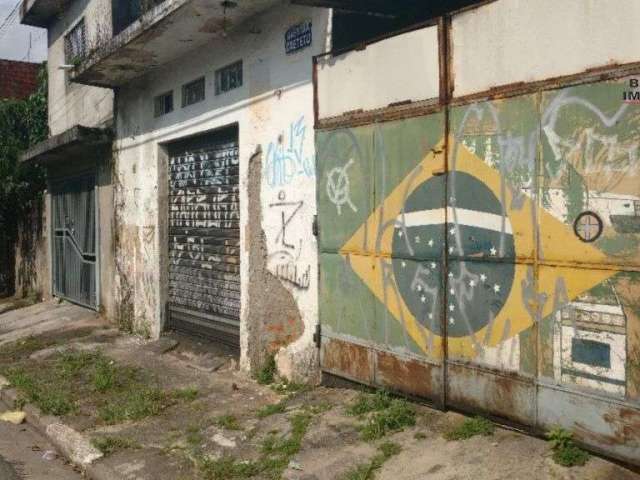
x=521 y=41
x=70 y=103
x=274 y=112
x=383 y=73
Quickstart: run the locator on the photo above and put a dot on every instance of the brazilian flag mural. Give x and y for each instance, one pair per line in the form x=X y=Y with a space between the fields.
x=516 y=238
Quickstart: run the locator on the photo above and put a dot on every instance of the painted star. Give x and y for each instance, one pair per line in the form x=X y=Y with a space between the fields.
x=450 y=274
x=419 y=288
x=404 y=264
x=452 y=320
x=433 y=265
x=483 y=277
x=417 y=239
x=400 y=233
x=431 y=242
x=450 y=249
x=496 y=288
x=431 y=316
x=452 y=231
x=423 y=299
x=452 y=307
x=472 y=283
x=493 y=251
x=452 y=291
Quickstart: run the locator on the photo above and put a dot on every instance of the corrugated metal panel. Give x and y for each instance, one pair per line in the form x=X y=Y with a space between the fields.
x=204 y=235
x=74 y=240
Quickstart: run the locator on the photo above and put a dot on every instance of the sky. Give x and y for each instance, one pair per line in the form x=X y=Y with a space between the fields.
x=14 y=43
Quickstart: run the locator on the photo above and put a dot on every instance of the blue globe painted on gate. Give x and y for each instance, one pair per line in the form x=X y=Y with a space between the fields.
x=480 y=253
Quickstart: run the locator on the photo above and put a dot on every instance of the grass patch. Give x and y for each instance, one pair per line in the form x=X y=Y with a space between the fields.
x=272 y=409
x=565 y=451
x=134 y=405
x=275 y=455
x=109 y=445
x=228 y=422
x=267 y=374
x=420 y=436
x=185 y=394
x=50 y=398
x=366 y=403
x=366 y=471
x=470 y=428
x=63 y=382
x=15 y=351
x=398 y=415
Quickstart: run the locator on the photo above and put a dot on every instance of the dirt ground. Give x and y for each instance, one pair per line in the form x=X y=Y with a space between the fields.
x=201 y=418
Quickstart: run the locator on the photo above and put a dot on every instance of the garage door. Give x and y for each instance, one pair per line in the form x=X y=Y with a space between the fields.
x=204 y=236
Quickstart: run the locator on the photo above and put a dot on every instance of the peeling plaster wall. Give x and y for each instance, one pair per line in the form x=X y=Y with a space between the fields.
x=274 y=113
x=73 y=104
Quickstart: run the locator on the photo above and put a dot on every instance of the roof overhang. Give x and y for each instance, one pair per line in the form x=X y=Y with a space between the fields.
x=164 y=33
x=39 y=13
x=74 y=143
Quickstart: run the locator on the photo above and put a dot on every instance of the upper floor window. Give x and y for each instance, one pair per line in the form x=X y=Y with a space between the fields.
x=75 y=43
x=163 y=104
x=229 y=77
x=193 y=92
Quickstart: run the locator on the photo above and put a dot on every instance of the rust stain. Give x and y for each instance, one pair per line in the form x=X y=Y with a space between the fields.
x=349 y=359
x=407 y=376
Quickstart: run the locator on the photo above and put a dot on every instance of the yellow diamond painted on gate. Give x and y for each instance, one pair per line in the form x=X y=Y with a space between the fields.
x=487 y=294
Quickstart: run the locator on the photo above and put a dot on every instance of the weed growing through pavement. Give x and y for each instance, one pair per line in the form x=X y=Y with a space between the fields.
x=383 y=414
x=109 y=445
x=228 y=422
x=470 y=428
x=367 y=471
x=565 y=451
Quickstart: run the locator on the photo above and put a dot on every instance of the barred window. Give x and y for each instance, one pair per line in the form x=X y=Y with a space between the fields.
x=229 y=77
x=193 y=92
x=75 y=43
x=163 y=104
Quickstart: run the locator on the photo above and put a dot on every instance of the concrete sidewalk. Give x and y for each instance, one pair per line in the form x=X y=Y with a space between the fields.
x=179 y=409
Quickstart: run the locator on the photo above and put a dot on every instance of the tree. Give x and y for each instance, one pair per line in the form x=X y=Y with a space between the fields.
x=23 y=123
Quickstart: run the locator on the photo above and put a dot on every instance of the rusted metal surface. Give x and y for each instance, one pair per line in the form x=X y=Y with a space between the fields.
x=507 y=396
x=348 y=360
x=409 y=376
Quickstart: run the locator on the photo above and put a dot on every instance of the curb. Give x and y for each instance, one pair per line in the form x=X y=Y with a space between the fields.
x=56 y=432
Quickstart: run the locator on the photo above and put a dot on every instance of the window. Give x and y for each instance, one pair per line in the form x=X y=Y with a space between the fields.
x=193 y=92
x=636 y=207
x=229 y=77
x=75 y=44
x=163 y=104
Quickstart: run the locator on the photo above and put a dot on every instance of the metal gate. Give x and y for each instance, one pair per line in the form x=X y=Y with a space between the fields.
x=204 y=236
x=75 y=240
x=489 y=259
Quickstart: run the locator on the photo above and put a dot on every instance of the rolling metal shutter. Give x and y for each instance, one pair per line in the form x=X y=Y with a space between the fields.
x=204 y=236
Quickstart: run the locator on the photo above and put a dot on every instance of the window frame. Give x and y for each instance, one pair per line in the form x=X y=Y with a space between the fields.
x=186 y=86
x=70 y=56
x=161 y=99
x=237 y=68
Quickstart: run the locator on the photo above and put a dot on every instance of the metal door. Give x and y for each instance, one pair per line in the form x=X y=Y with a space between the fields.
x=74 y=240
x=204 y=236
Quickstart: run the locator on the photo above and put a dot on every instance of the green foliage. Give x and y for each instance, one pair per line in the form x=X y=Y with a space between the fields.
x=267 y=374
x=109 y=445
x=23 y=123
x=398 y=415
x=228 y=422
x=185 y=394
x=470 y=428
x=269 y=410
x=565 y=451
x=366 y=403
x=366 y=471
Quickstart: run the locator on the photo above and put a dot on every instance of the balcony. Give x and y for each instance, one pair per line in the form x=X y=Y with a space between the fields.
x=39 y=13
x=163 y=33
